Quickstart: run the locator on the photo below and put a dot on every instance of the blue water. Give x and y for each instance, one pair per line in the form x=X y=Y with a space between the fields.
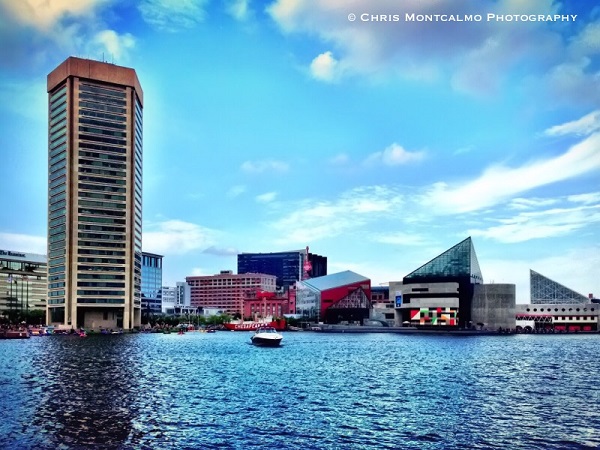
x=317 y=391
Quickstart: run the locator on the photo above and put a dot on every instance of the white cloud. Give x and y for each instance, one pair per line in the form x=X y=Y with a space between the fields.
x=23 y=243
x=175 y=237
x=116 y=45
x=573 y=81
x=340 y=159
x=236 y=191
x=172 y=15
x=324 y=67
x=530 y=203
x=499 y=183
x=239 y=9
x=586 y=199
x=475 y=58
x=583 y=126
x=44 y=14
x=401 y=238
x=540 y=224
x=267 y=197
x=311 y=220
x=577 y=271
x=395 y=155
x=588 y=40
x=265 y=166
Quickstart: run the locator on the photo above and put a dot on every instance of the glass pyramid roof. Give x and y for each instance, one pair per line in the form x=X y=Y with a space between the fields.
x=543 y=290
x=458 y=261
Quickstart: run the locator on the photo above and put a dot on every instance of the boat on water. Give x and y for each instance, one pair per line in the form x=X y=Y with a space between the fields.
x=266 y=337
x=14 y=334
x=253 y=325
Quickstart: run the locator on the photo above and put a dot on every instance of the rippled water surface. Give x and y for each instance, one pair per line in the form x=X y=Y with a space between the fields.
x=317 y=391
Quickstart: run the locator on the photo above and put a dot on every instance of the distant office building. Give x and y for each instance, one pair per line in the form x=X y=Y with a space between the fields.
x=151 y=285
x=23 y=283
x=448 y=291
x=183 y=293
x=169 y=299
x=94 y=195
x=335 y=298
x=288 y=267
x=546 y=291
x=227 y=291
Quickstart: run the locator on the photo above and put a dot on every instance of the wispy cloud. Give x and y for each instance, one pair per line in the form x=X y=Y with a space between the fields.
x=267 y=197
x=340 y=159
x=311 y=220
x=394 y=155
x=499 y=183
x=217 y=251
x=265 y=166
x=540 y=224
x=239 y=9
x=175 y=237
x=172 y=16
x=402 y=238
x=584 y=126
x=236 y=191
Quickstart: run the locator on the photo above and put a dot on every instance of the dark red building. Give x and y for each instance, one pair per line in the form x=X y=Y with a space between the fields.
x=335 y=298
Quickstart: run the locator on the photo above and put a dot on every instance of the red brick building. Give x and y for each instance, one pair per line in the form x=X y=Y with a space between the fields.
x=226 y=290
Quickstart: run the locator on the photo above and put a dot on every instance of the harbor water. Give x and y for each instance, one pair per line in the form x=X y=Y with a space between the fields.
x=316 y=391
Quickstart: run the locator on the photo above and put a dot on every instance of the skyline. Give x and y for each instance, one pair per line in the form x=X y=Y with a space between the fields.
x=276 y=125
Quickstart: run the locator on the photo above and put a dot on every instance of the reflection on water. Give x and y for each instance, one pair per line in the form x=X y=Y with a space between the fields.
x=80 y=391
x=317 y=391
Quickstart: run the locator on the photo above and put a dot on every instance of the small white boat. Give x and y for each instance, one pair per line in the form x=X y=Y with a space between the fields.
x=266 y=337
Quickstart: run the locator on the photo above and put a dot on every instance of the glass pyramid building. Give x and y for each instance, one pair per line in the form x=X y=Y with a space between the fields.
x=546 y=291
x=459 y=261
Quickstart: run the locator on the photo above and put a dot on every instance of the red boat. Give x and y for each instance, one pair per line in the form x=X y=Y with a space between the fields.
x=252 y=325
x=14 y=334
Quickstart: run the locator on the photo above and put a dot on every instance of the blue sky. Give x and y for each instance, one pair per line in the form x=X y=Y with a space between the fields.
x=273 y=125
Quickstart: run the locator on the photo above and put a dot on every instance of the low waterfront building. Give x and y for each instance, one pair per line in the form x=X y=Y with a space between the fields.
x=343 y=297
x=543 y=290
x=227 y=291
x=23 y=282
x=555 y=307
x=267 y=304
x=567 y=317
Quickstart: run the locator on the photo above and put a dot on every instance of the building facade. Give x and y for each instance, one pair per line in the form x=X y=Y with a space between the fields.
x=448 y=291
x=169 y=299
x=556 y=308
x=267 y=304
x=336 y=298
x=94 y=195
x=558 y=317
x=227 y=291
x=151 y=285
x=543 y=290
x=23 y=283
x=288 y=267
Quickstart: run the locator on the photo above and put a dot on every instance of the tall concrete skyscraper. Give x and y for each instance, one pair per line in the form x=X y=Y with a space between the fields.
x=94 y=195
